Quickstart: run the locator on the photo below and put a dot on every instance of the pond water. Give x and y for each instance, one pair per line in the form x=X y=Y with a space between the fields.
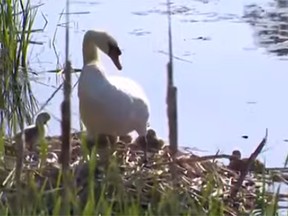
x=228 y=85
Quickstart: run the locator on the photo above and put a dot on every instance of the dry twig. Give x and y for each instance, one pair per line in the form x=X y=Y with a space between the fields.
x=66 y=123
x=251 y=159
x=171 y=91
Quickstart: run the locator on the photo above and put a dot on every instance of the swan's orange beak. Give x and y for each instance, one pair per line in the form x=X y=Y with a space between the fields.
x=114 y=54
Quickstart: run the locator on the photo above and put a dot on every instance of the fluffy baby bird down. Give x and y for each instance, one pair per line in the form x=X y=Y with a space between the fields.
x=33 y=133
x=111 y=105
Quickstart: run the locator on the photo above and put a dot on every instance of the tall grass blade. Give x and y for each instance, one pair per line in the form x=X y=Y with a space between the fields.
x=17 y=99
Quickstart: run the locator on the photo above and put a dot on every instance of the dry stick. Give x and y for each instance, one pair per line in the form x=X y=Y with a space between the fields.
x=210 y=157
x=75 y=70
x=171 y=92
x=66 y=124
x=18 y=169
x=66 y=127
x=251 y=159
x=171 y=100
x=172 y=118
x=279 y=169
x=54 y=93
x=50 y=98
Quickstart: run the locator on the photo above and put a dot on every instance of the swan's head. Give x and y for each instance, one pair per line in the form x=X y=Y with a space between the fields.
x=42 y=118
x=104 y=42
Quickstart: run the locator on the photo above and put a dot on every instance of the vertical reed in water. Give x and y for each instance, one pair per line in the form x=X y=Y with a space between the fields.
x=66 y=122
x=17 y=101
x=16 y=97
x=171 y=91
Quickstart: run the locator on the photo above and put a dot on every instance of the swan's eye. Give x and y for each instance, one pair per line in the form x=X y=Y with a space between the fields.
x=114 y=52
x=115 y=49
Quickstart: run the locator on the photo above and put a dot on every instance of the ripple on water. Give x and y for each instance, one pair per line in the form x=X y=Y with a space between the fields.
x=139 y=32
x=270 y=26
x=91 y=3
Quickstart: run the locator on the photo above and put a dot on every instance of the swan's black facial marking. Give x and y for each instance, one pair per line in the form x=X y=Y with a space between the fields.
x=114 y=52
x=114 y=48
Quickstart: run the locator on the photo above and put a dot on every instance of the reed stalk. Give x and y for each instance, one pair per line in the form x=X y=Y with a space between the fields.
x=66 y=121
x=171 y=98
x=16 y=96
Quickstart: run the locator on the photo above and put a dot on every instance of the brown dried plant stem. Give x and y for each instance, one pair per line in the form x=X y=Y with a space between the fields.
x=18 y=171
x=251 y=159
x=172 y=116
x=66 y=123
x=66 y=127
x=171 y=91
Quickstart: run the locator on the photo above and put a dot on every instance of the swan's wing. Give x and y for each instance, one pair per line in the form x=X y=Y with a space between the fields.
x=129 y=87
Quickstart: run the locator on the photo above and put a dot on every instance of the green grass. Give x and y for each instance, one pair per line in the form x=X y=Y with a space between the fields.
x=16 y=97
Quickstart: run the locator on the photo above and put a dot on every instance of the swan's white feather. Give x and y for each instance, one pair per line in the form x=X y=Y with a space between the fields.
x=129 y=86
x=114 y=105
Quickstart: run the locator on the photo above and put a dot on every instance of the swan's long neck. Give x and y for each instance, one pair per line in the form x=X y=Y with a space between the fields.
x=89 y=52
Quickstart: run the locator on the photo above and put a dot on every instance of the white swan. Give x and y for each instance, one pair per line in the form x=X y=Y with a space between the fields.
x=111 y=105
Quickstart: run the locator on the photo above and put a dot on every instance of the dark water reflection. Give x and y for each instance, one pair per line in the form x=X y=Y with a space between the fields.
x=269 y=22
x=186 y=12
x=270 y=25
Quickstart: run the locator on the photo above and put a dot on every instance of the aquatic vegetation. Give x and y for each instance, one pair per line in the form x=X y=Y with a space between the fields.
x=17 y=101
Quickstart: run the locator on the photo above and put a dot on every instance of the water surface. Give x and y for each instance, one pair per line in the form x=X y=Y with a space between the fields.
x=228 y=86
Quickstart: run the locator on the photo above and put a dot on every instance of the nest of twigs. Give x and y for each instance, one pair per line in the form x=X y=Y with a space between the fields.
x=193 y=180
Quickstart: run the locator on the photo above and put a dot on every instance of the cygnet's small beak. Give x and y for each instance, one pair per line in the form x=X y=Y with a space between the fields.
x=114 y=54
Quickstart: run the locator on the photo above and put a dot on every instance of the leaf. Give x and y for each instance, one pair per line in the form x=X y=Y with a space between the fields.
x=2 y=103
